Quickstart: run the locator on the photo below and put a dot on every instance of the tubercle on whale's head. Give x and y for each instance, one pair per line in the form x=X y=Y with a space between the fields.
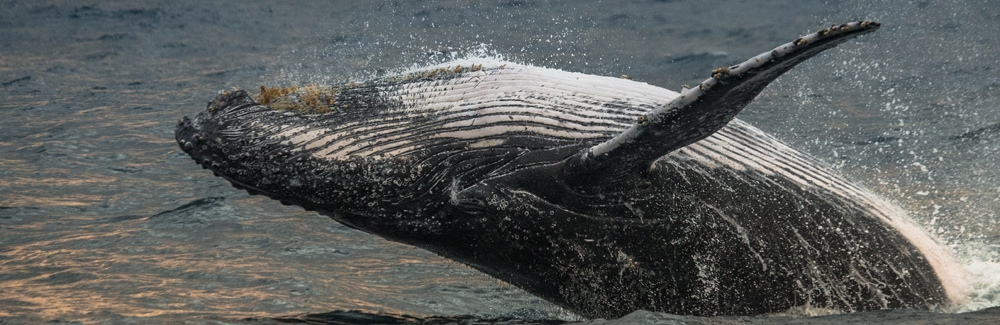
x=229 y=100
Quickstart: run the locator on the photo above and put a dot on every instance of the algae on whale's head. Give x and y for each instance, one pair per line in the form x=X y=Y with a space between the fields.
x=308 y=99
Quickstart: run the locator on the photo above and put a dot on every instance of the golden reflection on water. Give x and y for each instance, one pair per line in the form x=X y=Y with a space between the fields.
x=224 y=264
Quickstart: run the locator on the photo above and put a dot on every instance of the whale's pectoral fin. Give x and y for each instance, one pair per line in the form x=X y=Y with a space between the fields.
x=700 y=111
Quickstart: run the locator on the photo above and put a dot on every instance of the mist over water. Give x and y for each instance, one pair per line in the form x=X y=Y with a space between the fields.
x=104 y=219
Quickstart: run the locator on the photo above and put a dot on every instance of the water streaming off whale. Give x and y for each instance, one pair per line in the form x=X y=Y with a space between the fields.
x=92 y=93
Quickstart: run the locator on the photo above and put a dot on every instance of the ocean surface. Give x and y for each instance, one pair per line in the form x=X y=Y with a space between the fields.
x=104 y=220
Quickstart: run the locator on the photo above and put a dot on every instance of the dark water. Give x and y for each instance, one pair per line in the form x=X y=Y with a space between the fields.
x=104 y=220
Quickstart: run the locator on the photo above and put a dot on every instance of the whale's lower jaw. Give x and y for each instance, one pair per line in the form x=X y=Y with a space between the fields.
x=540 y=178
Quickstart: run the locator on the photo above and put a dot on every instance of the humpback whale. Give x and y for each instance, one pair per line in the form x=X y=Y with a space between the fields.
x=602 y=195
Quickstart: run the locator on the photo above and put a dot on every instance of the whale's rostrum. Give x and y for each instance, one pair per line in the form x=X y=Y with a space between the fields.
x=602 y=195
